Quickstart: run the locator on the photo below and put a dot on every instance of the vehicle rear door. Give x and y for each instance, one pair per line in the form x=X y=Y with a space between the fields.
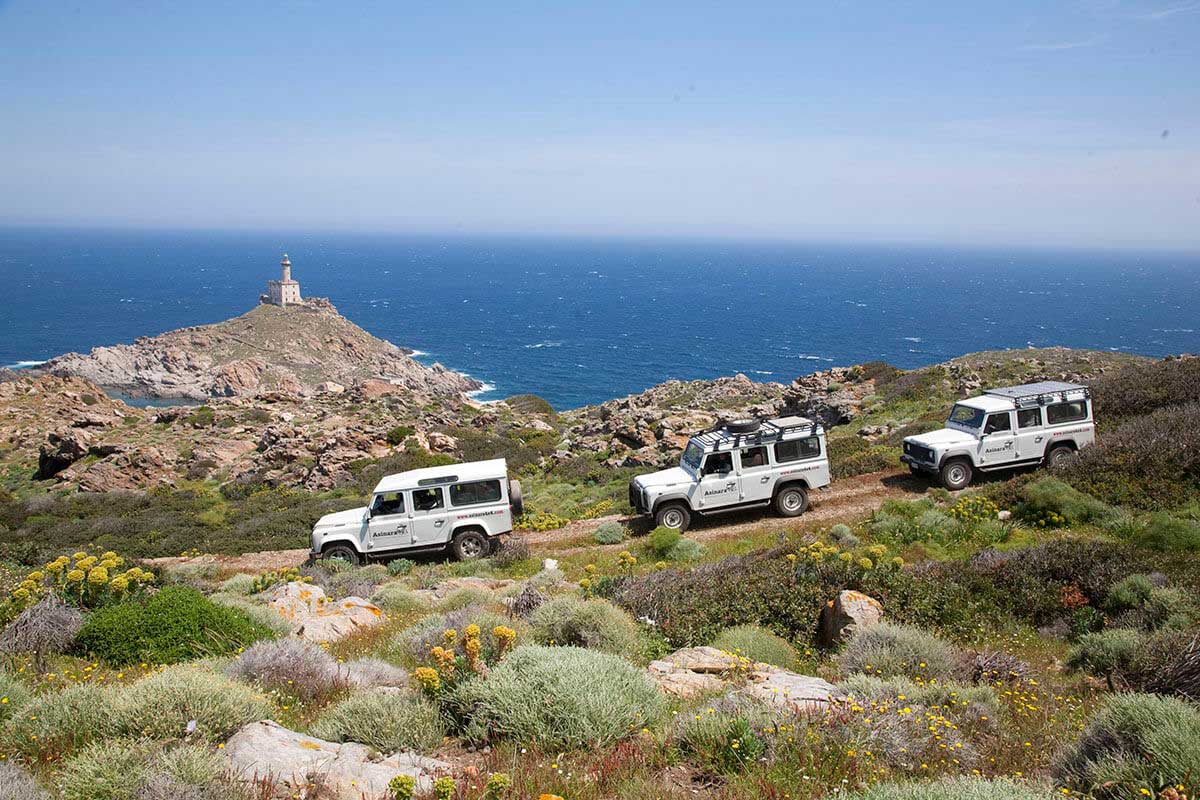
x=388 y=527
x=998 y=444
x=718 y=485
x=1031 y=436
x=755 y=474
x=429 y=517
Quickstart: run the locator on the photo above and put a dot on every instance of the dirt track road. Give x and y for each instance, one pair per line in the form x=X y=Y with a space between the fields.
x=846 y=498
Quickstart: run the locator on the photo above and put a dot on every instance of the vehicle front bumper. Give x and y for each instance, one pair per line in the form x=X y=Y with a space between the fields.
x=636 y=500
x=919 y=465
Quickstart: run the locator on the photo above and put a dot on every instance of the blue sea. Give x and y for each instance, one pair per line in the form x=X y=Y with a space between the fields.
x=579 y=321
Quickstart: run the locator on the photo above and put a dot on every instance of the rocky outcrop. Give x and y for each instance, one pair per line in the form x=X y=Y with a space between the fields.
x=701 y=670
x=300 y=349
x=318 y=618
x=841 y=617
x=832 y=397
x=268 y=751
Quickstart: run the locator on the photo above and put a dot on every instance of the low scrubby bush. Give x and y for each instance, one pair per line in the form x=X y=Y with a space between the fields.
x=396 y=598
x=888 y=650
x=176 y=624
x=595 y=624
x=104 y=770
x=757 y=644
x=947 y=695
x=730 y=734
x=291 y=666
x=1135 y=742
x=413 y=644
x=356 y=582
x=843 y=537
x=242 y=583
x=161 y=705
x=53 y=724
x=13 y=695
x=186 y=772
x=386 y=721
x=471 y=596
x=610 y=532
x=1050 y=502
x=46 y=627
x=955 y=789
x=400 y=566
x=662 y=539
x=1169 y=534
x=513 y=550
x=1106 y=653
x=369 y=673
x=1130 y=592
x=686 y=550
x=584 y=699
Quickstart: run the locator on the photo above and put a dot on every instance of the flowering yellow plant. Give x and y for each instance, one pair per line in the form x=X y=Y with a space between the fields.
x=82 y=579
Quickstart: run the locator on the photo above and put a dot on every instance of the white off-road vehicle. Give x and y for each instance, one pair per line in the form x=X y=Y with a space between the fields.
x=737 y=465
x=1014 y=426
x=465 y=508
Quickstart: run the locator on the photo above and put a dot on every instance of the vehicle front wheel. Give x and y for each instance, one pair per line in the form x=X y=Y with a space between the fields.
x=343 y=551
x=673 y=515
x=1059 y=456
x=792 y=501
x=470 y=545
x=956 y=474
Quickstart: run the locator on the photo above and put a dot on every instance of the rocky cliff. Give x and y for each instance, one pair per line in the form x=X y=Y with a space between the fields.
x=301 y=349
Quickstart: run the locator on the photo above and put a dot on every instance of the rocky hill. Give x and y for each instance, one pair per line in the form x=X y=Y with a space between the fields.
x=303 y=349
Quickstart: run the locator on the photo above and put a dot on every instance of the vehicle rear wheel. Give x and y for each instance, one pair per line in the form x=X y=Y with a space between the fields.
x=673 y=515
x=343 y=551
x=1059 y=456
x=792 y=501
x=956 y=474
x=470 y=545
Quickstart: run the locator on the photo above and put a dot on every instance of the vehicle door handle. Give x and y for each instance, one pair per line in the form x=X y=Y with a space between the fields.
x=1038 y=439
x=439 y=523
x=765 y=479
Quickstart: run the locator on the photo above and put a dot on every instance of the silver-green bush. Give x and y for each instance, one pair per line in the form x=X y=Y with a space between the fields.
x=60 y=722
x=386 y=721
x=258 y=612
x=104 y=770
x=611 y=532
x=562 y=698
x=396 y=598
x=757 y=644
x=242 y=583
x=956 y=789
x=292 y=666
x=13 y=695
x=595 y=624
x=950 y=697
x=888 y=650
x=160 y=706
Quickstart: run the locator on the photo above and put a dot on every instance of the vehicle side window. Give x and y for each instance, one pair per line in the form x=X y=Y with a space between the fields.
x=998 y=422
x=1066 y=412
x=427 y=499
x=474 y=493
x=754 y=457
x=719 y=464
x=798 y=449
x=388 y=503
x=1029 y=418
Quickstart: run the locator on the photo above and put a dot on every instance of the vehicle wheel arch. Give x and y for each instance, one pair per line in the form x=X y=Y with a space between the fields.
x=1068 y=443
x=672 y=498
x=340 y=545
x=785 y=483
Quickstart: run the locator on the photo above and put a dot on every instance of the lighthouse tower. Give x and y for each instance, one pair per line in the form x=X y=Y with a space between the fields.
x=285 y=290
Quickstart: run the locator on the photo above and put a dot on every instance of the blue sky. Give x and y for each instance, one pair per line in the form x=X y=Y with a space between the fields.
x=1072 y=123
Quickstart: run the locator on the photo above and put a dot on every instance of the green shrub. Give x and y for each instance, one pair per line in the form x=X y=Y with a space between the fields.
x=175 y=624
x=757 y=644
x=161 y=705
x=888 y=650
x=1167 y=533
x=594 y=624
x=686 y=550
x=1051 y=496
x=662 y=539
x=1106 y=653
x=396 y=435
x=465 y=598
x=396 y=598
x=400 y=566
x=109 y=770
x=584 y=699
x=843 y=537
x=955 y=789
x=1135 y=741
x=13 y=695
x=936 y=694
x=241 y=583
x=610 y=532
x=53 y=724
x=1130 y=592
x=729 y=735
x=386 y=721
x=854 y=455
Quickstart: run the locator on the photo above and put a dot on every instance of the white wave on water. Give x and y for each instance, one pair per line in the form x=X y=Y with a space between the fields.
x=23 y=364
x=762 y=372
x=807 y=357
x=912 y=338
x=417 y=354
x=1175 y=330
x=539 y=345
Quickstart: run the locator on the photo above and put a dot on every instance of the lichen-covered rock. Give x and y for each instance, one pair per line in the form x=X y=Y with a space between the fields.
x=318 y=618
x=352 y=771
x=702 y=670
x=849 y=612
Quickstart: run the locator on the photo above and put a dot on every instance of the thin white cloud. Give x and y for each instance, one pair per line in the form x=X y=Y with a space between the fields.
x=1169 y=11
x=1050 y=47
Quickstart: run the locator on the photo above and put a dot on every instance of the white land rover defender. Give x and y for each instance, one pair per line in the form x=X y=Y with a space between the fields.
x=461 y=507
x=737 y=465
x=1015 y=426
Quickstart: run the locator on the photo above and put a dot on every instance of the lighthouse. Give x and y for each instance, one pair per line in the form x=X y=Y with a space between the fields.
x=285 y=290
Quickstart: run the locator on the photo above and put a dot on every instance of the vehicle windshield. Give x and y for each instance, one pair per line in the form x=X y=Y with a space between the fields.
x=692 y=456
x=966 y=416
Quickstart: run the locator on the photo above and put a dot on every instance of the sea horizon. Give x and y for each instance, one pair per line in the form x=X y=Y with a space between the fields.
x=579 y=320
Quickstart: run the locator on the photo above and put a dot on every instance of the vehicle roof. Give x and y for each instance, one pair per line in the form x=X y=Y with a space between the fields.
x=1003 y=398
x=770 y=430
x=450 y=473
x=987 y=403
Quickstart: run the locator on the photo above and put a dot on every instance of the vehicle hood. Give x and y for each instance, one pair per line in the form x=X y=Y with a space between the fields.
x=943 y=437
x=351 y=517
x=664 y=478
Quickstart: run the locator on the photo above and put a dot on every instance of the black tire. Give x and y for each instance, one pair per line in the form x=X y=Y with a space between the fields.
x=748 y=425
x=470 y=545
x=515 y=501
x=791 y=501
x=956 y=474
x=343 y=551
x=673 y=515
x=1059 y=455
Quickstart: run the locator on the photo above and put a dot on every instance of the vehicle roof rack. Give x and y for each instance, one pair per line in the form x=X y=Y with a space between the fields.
x=769 y=430
x=1039 y=393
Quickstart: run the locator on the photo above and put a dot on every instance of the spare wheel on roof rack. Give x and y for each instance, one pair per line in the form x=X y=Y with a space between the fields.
x=743 y=425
